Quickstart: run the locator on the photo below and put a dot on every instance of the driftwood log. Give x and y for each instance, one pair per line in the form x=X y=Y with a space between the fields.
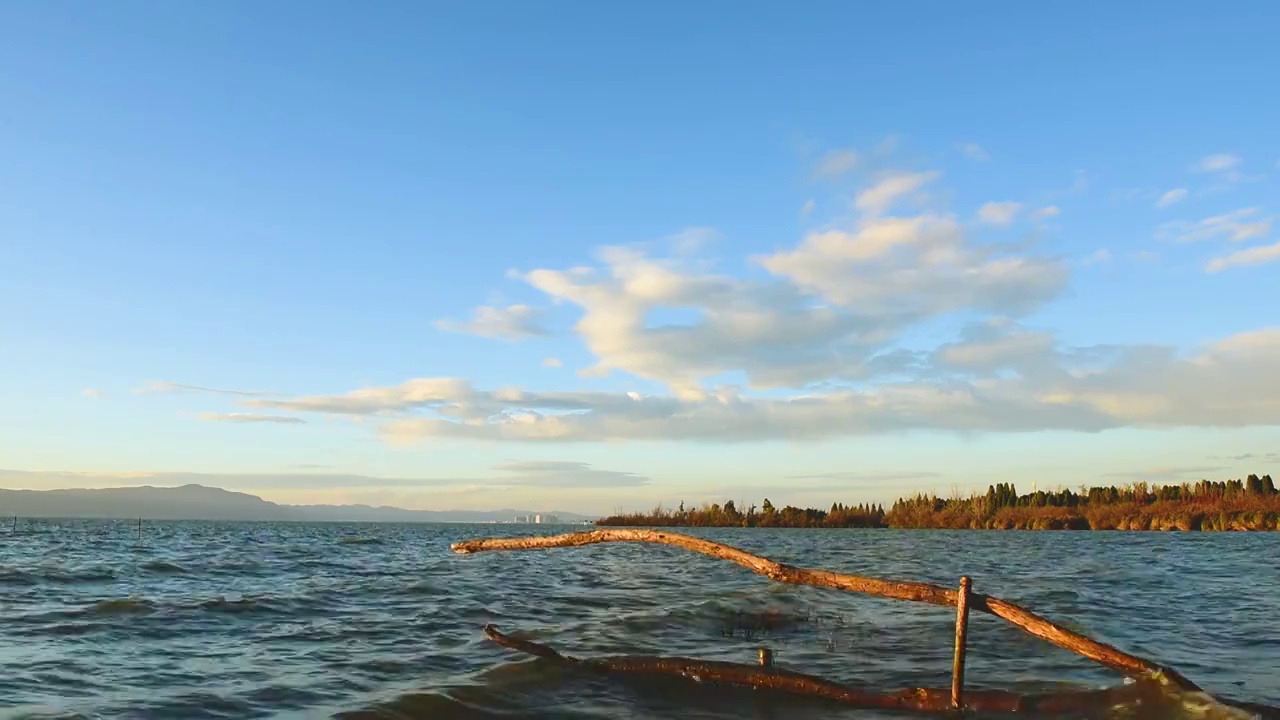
x=772 y=678
x=1149 y=673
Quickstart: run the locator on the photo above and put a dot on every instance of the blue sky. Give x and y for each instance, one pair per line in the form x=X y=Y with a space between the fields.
x=585 y=256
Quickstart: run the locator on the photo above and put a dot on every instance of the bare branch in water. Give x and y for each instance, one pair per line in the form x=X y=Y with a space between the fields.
x=1028 y=621
x=772 y=678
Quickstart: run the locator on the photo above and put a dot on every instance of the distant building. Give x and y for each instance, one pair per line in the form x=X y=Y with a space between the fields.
x=537 y=519
x=551 y=519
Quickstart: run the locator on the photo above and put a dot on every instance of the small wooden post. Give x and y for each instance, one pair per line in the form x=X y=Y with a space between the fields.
x=962 y=632
x=139 y=531
x=15 y=525
x=766 y=657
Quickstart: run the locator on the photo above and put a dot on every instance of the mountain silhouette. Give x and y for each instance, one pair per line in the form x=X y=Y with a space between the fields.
x=200 y=502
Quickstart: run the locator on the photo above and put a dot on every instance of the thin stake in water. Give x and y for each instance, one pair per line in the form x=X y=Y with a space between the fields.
x=962 y=632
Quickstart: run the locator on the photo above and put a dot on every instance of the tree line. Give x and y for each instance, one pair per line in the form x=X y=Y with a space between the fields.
x=767 y=515
x=1252 y=504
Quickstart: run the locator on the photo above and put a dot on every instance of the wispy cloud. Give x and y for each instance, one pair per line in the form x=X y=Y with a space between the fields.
x=1236 y=226
x=836 y=163
x=552 y=362
x=891 y=188
x=973 y=151
x=252 y=418
x=1049 y=211
x=93 y=393
x=1249 y=256
x=162 y=387
x=999 y=213
x=1218 y=162
x=808 y=207
x=511 y=323
x=1172 y=197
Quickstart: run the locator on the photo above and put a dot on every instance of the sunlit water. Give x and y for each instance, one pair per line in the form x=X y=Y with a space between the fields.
x=244 y=620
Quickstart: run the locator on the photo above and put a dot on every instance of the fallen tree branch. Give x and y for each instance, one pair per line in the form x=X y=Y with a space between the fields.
x=772 y=678
x=1026 y=620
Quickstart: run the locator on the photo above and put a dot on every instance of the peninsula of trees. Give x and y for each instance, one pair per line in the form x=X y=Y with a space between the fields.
x=1249 y=504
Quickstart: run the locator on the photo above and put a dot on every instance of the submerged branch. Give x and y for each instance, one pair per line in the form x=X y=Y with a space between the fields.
x=918 y=592
x=771 y=678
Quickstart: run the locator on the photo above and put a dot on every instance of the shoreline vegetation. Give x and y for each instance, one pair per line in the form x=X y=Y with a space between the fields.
x=1249 y=504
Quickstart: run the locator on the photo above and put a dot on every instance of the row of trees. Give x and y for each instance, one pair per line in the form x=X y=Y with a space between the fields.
x=728 y=515
x=1252 y=503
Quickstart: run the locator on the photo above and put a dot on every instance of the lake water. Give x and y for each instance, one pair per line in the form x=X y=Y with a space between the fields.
x=245 y=620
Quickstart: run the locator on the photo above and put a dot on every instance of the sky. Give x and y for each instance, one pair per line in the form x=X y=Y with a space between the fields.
x=592 y=257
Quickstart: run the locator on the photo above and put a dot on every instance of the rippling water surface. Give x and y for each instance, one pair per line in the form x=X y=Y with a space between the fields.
x=245 y=620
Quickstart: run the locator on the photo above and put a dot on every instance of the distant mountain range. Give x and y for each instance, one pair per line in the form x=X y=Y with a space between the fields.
x=198 y=502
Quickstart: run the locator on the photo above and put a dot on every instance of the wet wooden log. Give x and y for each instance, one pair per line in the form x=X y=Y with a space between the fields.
x=932 y=700
x=962 y=632
x=1027 y=621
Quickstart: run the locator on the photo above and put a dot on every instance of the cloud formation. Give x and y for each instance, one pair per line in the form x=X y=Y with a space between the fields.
x=814 y=342
x=93 y=393
x=1172 y=197
x=1249 y=256
x=891 y=188
x=1218 y=162
x=997 y=377
x=836 y=163
x=511 y=323
x=1235 y=226
x=999 y=213
x=973 y=151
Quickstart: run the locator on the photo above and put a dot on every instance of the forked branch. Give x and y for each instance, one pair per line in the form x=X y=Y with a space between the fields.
x=1029 y=622
x=772 y=678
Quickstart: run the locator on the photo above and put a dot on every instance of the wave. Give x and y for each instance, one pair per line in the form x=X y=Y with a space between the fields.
x=358 y=540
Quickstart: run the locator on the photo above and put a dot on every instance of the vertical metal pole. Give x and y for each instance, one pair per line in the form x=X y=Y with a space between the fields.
x=962 y=632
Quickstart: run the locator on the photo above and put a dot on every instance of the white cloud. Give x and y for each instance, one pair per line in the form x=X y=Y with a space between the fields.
x=93 y=393
x=1049 y=211
x=890 y=188
x=908 y=268
x=808 y=207
x=997 y=378
x=1172 y=197
x=511 y=323
x=1218 y=162
x=999 y=213
x=252 y=418
x=552 y=362
x=973 y=151
x=836 y=163
x=1235 y=226
x=1249 y=256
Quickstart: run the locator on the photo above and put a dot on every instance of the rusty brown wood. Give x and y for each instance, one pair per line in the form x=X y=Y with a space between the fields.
x=1027 y=621
x=962 y=633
